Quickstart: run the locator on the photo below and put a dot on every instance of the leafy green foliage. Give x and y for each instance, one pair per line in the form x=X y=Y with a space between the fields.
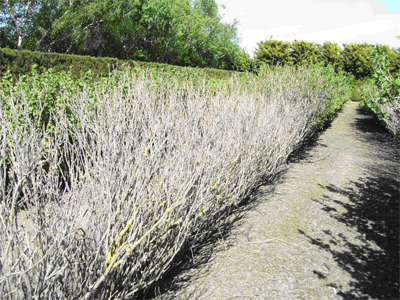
x=381 y=94
x=381 y=66
x=15 y=16
x=392 y=60
x=355 y=60
x=178 y=32
x=339 y=80
x=304 y=51
x=357 y=87
x=44 y=94
x=243 y=62
x=273 y=52
x=331 y=54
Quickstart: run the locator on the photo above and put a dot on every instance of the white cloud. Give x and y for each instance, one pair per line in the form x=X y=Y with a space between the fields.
x=250 y=38
x=338 y=21
x=270 y=31
x=348 y=32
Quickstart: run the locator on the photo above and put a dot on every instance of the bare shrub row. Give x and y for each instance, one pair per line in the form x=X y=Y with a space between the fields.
x=103 y=207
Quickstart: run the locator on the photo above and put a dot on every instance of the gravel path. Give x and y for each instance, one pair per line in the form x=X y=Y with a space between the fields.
x=328 y=229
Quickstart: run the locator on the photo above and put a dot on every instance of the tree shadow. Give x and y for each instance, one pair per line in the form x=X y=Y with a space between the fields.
x=371 y=128
x=375 y=272
x=372 y=209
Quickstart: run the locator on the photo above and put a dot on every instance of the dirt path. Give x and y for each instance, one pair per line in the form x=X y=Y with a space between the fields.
x=329 y=230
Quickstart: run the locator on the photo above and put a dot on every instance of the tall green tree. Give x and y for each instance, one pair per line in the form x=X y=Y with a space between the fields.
x=73 y=26
x=52 y=25
x=182 y=32
x=331 y=54
x=15 y=18
x=355 y=60
x=304 y=51
x=272 y=52
x=243 y=62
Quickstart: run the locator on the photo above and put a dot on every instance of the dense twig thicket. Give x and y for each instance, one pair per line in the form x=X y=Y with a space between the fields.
x=101 y=205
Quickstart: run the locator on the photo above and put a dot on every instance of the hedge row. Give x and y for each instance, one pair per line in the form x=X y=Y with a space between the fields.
x=20 y=63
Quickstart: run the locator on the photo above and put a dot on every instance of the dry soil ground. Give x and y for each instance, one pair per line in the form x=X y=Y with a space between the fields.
x=327 y=229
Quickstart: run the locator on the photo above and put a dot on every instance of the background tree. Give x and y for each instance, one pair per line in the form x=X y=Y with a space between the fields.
x=302 y=50
x=15 y=17
x=70 y=26
x=355 y=60
x=331 y=53
x=272 y=52
x=42 y=24
x=182 y=32
x=243 y=62
x=221 y=45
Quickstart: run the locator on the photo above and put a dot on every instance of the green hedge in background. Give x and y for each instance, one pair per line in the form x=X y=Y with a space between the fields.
x=353 y=58
x=20 y=63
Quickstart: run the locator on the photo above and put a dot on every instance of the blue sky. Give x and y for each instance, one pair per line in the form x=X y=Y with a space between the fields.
x=338 y=21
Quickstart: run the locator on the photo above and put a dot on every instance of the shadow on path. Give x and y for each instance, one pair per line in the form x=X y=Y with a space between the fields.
x=373 y=132
x=372 y=209
x=368 y=206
